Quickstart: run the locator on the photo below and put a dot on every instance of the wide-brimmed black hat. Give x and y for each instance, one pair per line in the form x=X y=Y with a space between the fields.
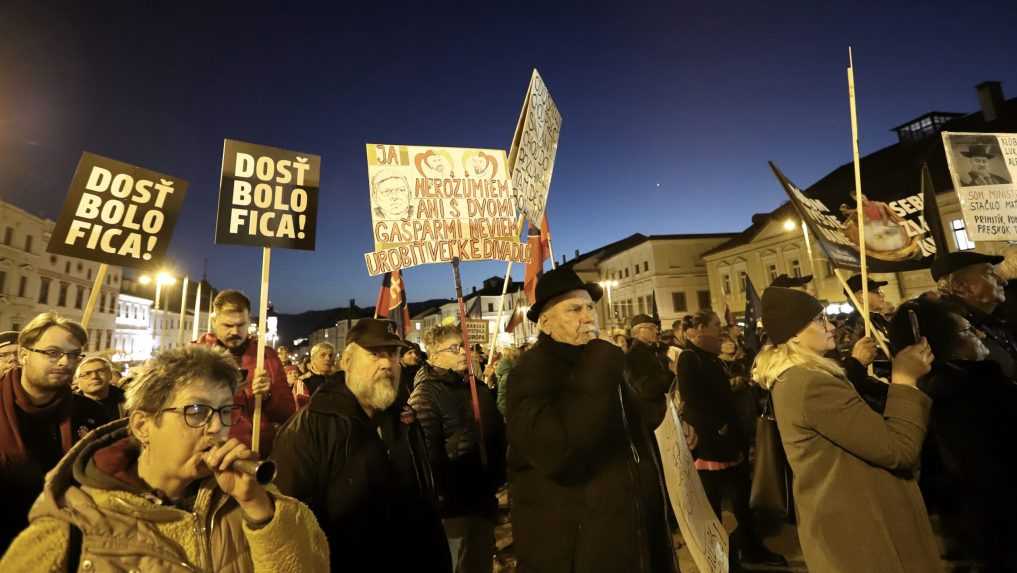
x=375 y=333
x=558 y=282
x=785 y=281
x=855 y=284
x=978 y=151
x=642 y=319
x=947 y=263
x=786 y=311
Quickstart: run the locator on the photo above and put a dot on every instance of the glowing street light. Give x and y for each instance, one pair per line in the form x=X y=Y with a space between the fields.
x=145 y=279
x=790 y=225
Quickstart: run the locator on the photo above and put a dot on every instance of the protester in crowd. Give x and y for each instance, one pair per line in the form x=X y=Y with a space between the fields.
x=94 y=376
x=412 y=359
x=747 y=398
x=320 y=368
x=721 y=455
x=586 y=493
x=509 y=356
x=231 y=319
x=467 y=486
x=852 y=329
x=965 y=473
x=41 y=417
x=648 y=372
x=969 y=282
x=333 y=455
x=8 y=351
x=857 y=502
x=157 y=491
x=678 y=329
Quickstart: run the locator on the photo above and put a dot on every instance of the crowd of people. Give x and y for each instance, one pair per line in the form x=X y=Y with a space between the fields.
x=388 y=458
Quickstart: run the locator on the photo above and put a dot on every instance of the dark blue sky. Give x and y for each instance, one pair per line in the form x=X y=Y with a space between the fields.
x=695 y=97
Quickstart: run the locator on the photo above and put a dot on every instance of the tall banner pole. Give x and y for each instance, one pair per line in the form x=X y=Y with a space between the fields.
x=183 y=311
x=504 y=291
x=93 y=297
x=266 y=260
x=469 y=359
x=858 y=195
x=155 y=313
x=808 y=249
x=858 y=306
x=197 y=313
x=211 y=295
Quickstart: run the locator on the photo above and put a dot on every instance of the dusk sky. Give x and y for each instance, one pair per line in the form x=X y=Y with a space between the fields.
x=670 y=110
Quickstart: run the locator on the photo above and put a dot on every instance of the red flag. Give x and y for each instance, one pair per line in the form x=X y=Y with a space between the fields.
x=538 y=241
x=515 y=320
x=392 y=302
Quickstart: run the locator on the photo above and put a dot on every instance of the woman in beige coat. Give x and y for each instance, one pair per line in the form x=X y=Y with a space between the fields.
x=858 y=505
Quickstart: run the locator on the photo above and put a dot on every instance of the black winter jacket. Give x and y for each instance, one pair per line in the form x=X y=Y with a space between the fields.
x=648 y=374
x=443 y=405
x=585 y=483
x=709 y=406
x=331 y=457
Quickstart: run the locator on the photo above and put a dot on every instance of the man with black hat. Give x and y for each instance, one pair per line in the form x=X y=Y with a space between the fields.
x=648 y=369
x=850 y=335
x=8 y=350
x=586 y=493
x=969 y=282
x=343 y=454
x=796 y=282
x=978 y=158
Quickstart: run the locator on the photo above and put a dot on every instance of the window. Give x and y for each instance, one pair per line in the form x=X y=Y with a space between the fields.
x=796 y=268
x=9 y=236
x=79 y=297
x=28 y=243
x=67 y=268
x=646 y=265
x=771 y=270
x=89 y=274
x=44 y=290
x=703 y=298
x=626 y=272
x=80 y=267
x=3 y=281
x=743 y=280
x=960 y=235
x=678 y=301
x=642 y=304
x=102 y=302
x=62 y=295
x=53 y=260
x=725 y=283
x=490 y=307
x=636 y=270
x=649 y=305
x=22 y=289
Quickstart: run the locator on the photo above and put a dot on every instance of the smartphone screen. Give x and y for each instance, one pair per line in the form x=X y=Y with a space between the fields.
x=915 y=331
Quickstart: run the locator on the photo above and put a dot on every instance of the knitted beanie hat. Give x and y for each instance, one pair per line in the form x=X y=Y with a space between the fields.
x=787 y=311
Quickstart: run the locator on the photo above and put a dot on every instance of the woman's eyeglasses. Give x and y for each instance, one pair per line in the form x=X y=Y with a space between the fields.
x=199 y=415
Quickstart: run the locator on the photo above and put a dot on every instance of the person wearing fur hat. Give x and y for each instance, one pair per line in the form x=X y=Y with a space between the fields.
x=585 y=486
x=856 y=499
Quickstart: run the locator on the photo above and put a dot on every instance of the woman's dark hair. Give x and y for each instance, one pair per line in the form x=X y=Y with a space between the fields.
x=936 y=321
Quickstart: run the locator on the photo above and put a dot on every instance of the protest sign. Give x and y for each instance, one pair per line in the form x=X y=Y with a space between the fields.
x=897 y=237
x=701 y=529
x=268 y=197
x=983 y=167
x=534 y=146
x=434 y=204
x=478 y=329
x=116 y=213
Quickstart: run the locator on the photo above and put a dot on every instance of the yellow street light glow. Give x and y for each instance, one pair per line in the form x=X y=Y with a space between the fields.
x=144 y=279
x=790 y=225
x=165 y=278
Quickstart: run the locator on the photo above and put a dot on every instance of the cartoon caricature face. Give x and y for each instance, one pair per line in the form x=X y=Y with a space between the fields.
x=438 y=165
x=392 y=195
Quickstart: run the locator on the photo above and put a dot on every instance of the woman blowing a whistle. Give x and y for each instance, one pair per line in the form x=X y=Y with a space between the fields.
x=160 y=490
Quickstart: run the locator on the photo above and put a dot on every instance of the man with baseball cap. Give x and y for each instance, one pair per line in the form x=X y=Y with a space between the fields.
x=8 y=350
x=851 y=341
x=969 y=282
x=785 y=281
x=648 y=368
x=586 y=492
x=332 y=456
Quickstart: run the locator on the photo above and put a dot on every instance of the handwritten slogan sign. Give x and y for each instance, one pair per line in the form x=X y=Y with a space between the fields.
x=117 y=213
x=897 y=236
x=983 y=167
x=268 y=197
x=430 y=204
x=534 y=147
x=701 y=530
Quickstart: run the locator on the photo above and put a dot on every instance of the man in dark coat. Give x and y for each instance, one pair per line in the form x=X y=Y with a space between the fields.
x=361 y=471
x=467 y=488
x=647 y=369
x=40 y=418
x=94 y=378
x=585 y=482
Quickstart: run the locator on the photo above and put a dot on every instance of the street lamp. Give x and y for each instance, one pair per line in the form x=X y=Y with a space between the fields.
x=790 y=225
x=161 y=278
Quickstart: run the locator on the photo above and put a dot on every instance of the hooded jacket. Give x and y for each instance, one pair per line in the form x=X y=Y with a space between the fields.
x=126 y=526
x=275 y=409
x=585 y=482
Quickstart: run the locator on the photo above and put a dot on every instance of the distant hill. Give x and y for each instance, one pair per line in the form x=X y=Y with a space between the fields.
x=292 y=326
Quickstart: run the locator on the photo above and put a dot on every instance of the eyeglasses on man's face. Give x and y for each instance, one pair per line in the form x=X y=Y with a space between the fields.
x=454 y=349
x=55 y=355
x=199 y=415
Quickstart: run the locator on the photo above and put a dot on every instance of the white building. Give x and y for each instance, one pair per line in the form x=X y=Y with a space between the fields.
x=142 y=330
x=481 y=304
x=34 y=281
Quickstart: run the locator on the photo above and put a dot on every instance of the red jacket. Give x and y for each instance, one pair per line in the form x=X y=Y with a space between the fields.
x=275 y=410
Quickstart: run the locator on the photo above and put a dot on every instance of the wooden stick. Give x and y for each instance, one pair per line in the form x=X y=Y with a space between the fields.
x=197 y=313
x=469 y=360
x=211 y=295
x=266 y=261
x=504 y=291
x=183 y=312
x=93 y=297
x=155 y=313
x=858 y=195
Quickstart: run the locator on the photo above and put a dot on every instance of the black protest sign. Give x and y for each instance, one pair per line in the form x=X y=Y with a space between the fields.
x=897 y=236
x=268 y=197
x=117 y=213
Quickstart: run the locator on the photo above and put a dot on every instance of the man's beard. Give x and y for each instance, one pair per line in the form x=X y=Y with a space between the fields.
x=376 y=394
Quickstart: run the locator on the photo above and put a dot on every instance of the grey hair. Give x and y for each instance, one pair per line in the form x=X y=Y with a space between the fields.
x=440 y=332
x=93 y=358
x=173 y=370
x=318 y=347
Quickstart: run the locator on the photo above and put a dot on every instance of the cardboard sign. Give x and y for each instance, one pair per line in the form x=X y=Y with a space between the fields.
x=983 y=167
x=117 y=213
x=701 y=529
x=534 y=146
x=430 y=204
x=477 y=328
x=897 y=236
x=268 y=197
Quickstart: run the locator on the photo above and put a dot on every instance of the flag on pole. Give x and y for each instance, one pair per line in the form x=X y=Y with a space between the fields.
x=538 y=240
x=753 y=307
x=515 y=320
x=392 y=302
x=655 y=313
x=930 y=210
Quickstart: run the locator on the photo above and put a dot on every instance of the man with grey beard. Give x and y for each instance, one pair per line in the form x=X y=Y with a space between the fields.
x=345 y=456
x=585 y=481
